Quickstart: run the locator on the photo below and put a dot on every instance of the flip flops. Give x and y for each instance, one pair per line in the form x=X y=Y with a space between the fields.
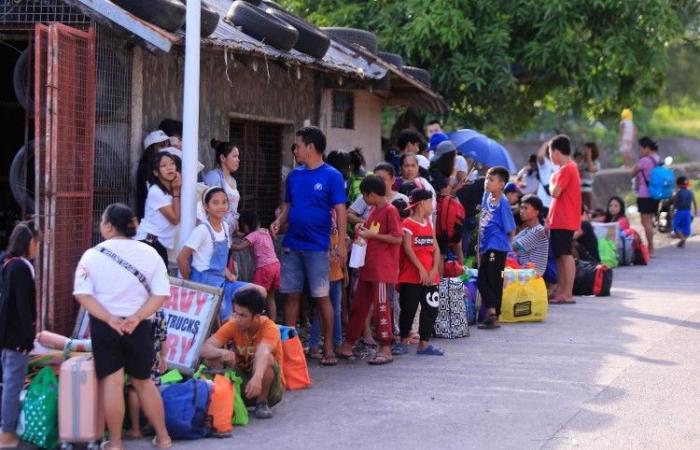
x=399 y=349
x=431 y=350
x=166 y=444
x=380 y=360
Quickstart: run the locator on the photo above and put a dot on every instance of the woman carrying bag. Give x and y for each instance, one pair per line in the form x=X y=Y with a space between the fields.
x=121 y=283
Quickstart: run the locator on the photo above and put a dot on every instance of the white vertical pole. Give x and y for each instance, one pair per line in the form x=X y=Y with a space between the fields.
x=190 y=119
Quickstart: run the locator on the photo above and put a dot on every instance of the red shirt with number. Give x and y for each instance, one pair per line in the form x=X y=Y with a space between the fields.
x=382 y=259
x=565 y=212
x=422 y=243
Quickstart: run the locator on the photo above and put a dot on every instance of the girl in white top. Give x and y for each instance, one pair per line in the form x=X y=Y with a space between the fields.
x=162 y=211
x=121 y=283
x=628 y=135
x=228 y=161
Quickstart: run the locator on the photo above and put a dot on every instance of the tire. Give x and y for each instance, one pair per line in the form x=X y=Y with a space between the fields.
x=209 y=21
x=311 y=41
x=392 y=58
x=254 y=2
x=19 y=185
x=258 y=24
x=270 y=4
x=166 y=14
x=363 y=38
x=421 y=75
x=19 y=81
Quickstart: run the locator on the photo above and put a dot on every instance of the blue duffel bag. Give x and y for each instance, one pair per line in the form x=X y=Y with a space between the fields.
x=186 y=405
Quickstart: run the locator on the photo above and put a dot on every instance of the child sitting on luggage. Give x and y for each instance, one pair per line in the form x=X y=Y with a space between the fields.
x=418 y=275
x=160 y=334
x=496 y=228
x=382 y=233
x=683 y=218
x=262 y=249
x=615 y=212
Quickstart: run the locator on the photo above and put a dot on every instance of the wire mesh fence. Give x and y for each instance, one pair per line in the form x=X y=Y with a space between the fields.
x=23 y=14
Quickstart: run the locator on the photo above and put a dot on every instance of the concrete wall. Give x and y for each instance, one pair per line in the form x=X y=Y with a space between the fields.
x=367 y=133
x=247 y=89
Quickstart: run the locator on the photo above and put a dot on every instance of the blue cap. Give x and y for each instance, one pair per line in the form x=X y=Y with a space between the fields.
x=511 y=187
x=436 y=139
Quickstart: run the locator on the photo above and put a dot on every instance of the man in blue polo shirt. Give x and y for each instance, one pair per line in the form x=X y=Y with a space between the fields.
x=313 y=191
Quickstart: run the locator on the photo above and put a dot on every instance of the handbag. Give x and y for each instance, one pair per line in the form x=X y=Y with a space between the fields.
x=221 y=405
x=40 y=410
x=240 y=411
x=294 y=368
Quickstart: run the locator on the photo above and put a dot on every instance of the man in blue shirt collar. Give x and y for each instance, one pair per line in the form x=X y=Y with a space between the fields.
x=315 y=193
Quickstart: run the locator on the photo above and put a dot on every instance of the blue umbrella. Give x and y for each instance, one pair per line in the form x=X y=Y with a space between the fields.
x=478 y=147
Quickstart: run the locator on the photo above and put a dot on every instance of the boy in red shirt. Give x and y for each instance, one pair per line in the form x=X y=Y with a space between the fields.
x=418 y=275
x=382 y=232
x=564 y=217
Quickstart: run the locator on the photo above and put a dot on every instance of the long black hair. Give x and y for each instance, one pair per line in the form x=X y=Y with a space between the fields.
x=122 y=218
x=156 y=168
x=608 y=216
x=221 y=149
x=20 y=238
x=647 y=142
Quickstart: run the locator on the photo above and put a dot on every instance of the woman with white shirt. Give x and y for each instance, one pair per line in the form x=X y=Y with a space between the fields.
x=121 y=283
x=204 y=257
x=228 y=161
x=162 y=211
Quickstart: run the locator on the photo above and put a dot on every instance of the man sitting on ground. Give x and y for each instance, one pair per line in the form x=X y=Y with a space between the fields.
x=532 y=243
x=256 y=350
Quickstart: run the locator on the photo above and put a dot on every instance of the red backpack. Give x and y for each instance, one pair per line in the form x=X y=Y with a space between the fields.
x=450 y=219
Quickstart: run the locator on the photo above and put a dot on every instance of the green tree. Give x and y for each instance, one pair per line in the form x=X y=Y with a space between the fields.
x=500 y=63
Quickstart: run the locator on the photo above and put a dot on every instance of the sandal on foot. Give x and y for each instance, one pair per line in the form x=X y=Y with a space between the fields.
x=329 y=359
x=107 y=445
x=316 y=355
x=399 y=349
x=490 y=323
x=166 y=444
x=380 y=360
x=431 y=350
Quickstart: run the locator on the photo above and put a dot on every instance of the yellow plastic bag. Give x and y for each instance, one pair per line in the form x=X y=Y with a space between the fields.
x=524 y=297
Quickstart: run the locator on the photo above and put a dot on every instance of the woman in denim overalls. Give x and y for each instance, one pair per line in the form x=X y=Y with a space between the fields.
x=204 y=258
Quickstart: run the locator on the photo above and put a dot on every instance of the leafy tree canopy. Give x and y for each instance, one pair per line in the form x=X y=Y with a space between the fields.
x=500 y=63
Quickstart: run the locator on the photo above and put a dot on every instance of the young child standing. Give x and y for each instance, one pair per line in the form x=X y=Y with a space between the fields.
x=418 y=275
x=262 y=249
x=382 y=232
x=683 y=218
x=496 y=228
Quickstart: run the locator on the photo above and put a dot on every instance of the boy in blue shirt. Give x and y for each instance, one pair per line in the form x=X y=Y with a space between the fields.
x=683 y=218
x=496 y=229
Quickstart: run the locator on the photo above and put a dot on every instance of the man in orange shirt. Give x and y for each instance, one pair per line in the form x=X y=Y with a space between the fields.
x=564 y=216
x=252 y=345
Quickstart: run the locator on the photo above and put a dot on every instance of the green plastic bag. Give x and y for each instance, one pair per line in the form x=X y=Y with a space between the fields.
x=608 y=252
x=40 y=410
x=240 y=412
x=171 y=377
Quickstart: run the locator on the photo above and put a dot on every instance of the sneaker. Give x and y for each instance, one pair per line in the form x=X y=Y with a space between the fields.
x=263 y=411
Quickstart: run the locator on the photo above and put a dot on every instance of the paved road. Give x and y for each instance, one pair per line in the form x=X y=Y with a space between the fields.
x=616 y=372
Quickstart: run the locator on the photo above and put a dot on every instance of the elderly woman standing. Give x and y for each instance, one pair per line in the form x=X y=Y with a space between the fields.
x=121 y=283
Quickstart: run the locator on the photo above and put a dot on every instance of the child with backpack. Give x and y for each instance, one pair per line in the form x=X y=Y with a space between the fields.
x=418 y=275
x=382 y=232
x=17 y=324
x=262 y=249
x=683 y=218
x=496 y=228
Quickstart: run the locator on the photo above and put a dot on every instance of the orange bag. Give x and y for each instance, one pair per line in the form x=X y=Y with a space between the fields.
x=221 y=405
x=294 y=368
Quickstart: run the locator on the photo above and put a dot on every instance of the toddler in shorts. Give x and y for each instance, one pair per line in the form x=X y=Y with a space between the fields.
x=262 y=249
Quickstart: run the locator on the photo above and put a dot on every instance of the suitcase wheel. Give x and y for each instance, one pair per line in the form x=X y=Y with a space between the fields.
x=66 y=446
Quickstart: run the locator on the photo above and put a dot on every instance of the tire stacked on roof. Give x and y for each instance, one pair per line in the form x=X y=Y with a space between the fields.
x=421 y=75
x=312 y=41
x=20 y=183
x=392 y=58
x=262 y=26
x=351 y=36
x=19 y=82
x=209 y=21
x=166 y=14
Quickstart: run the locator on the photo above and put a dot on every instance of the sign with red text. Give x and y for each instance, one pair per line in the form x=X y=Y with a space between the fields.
x=189 y=313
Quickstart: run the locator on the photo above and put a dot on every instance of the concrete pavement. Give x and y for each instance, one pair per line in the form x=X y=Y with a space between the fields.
x=615 y=372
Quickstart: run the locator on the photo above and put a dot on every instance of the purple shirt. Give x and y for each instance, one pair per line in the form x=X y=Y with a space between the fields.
x=646 y=164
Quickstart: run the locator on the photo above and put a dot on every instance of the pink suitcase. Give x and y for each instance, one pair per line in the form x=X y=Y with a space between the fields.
x=80 y=417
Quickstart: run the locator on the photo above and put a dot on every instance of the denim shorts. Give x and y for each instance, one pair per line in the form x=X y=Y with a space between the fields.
x=305 y=265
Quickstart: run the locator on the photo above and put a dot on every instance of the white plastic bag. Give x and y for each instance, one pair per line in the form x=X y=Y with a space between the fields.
x=357 y=255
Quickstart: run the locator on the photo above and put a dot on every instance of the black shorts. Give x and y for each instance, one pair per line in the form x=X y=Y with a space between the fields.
x=133 y=352
x=647 y=205
x=562 y=242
